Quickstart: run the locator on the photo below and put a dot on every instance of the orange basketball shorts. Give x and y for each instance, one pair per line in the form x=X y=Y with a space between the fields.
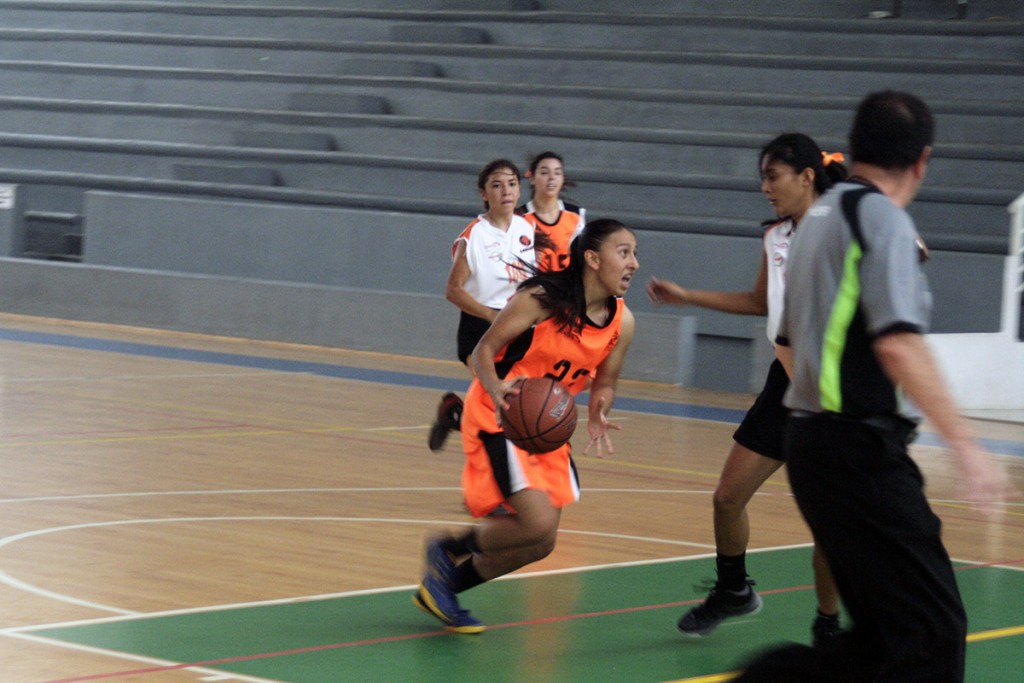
x=495 y=468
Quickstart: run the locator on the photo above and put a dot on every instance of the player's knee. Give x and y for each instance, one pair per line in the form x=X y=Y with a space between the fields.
x=728 y=501
x=541 y=529
x=544 y=548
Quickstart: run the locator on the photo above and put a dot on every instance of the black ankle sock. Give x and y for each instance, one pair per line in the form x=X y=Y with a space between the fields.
x=466 y=576
x=460 y=547
x=830 y=617
x=732 y=571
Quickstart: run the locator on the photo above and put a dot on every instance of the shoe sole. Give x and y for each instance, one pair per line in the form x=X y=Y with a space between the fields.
x=438 y=436
x=439 y=430
x=426 y=603
x=707 y=631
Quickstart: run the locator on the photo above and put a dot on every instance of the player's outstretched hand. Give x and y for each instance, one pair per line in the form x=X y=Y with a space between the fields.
x=598 y=431
x=665 y=292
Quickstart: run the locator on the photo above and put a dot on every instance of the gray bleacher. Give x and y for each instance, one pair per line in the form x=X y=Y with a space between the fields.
x=289 y=172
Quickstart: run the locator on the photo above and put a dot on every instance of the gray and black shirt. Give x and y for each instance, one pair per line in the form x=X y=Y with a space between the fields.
x=849 y=281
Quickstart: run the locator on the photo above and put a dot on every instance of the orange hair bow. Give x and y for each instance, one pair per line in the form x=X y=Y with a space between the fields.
x=835 y=157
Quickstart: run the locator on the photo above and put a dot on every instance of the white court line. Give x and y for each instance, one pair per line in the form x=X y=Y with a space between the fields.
x=13 y=582
x=230 y=492
x=104 y=378
x=389 y=489
x=955 y=501
x=518 y=576
x=350 y=489
x=26 y=632
x=644 y=539
x=1011 y=567
x=206 y=674
x=18 y=584
x=25 y=586
x=18 y=630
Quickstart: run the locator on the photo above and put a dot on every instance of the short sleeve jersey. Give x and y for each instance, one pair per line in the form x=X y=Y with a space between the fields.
x=777 y=239
x=545 y=350
x=845 y=289
x=496 y=258
x=556 y=237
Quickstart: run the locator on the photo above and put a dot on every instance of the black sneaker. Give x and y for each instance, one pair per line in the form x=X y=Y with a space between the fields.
x=824 y=628
x=719 y=606
x=449 y=417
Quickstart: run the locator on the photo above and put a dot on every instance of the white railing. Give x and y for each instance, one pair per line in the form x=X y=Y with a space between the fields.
x=1013 y=287
x=986 y=370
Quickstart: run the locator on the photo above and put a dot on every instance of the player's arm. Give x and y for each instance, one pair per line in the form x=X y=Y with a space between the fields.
x=752 y=302
x=520 y=314
x=455 y=288
x=909 y=363
x=602 y=391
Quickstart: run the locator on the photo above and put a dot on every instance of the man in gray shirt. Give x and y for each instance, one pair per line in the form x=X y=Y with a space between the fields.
x=851 y=337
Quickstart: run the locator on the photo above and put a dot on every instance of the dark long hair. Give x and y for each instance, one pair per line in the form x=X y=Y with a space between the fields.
x=561 y=292
x=799 y=151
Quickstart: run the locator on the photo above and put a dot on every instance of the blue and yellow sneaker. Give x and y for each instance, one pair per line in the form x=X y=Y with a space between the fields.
x=439 y=562
x=437 y=599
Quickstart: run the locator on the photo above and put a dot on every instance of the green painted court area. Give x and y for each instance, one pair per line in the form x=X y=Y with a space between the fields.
x=610 y=624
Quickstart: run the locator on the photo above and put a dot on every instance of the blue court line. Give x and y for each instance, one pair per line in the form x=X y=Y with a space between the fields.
x=666 y=408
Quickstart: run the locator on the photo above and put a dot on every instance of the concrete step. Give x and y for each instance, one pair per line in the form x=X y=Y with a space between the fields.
x=678 y=32
x=667 y=69
x=60 y=125
x=951 y=215
x=972 y=122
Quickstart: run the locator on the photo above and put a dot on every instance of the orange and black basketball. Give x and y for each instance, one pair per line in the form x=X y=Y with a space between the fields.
x=541 y=417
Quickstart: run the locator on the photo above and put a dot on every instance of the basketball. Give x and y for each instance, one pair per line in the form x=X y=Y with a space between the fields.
x=541 y=417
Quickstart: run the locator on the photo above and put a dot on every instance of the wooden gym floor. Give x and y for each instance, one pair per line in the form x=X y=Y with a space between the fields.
x=185 y=508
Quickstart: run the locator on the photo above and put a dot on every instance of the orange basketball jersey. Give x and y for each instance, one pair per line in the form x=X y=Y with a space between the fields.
x=557 y=236
x=544 y=351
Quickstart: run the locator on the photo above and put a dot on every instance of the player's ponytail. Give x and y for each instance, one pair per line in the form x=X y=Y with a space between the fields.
x=834 y=168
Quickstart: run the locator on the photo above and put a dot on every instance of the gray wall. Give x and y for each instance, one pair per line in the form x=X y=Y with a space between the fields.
x=392 y=322
x=374 y=280
x=279 y=173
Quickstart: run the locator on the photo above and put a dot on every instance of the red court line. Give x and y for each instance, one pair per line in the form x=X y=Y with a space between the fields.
x=389 y=639
x=434 y=634
x=246 y=658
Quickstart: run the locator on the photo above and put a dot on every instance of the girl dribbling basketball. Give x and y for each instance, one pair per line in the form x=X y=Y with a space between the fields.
x=574 y=326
